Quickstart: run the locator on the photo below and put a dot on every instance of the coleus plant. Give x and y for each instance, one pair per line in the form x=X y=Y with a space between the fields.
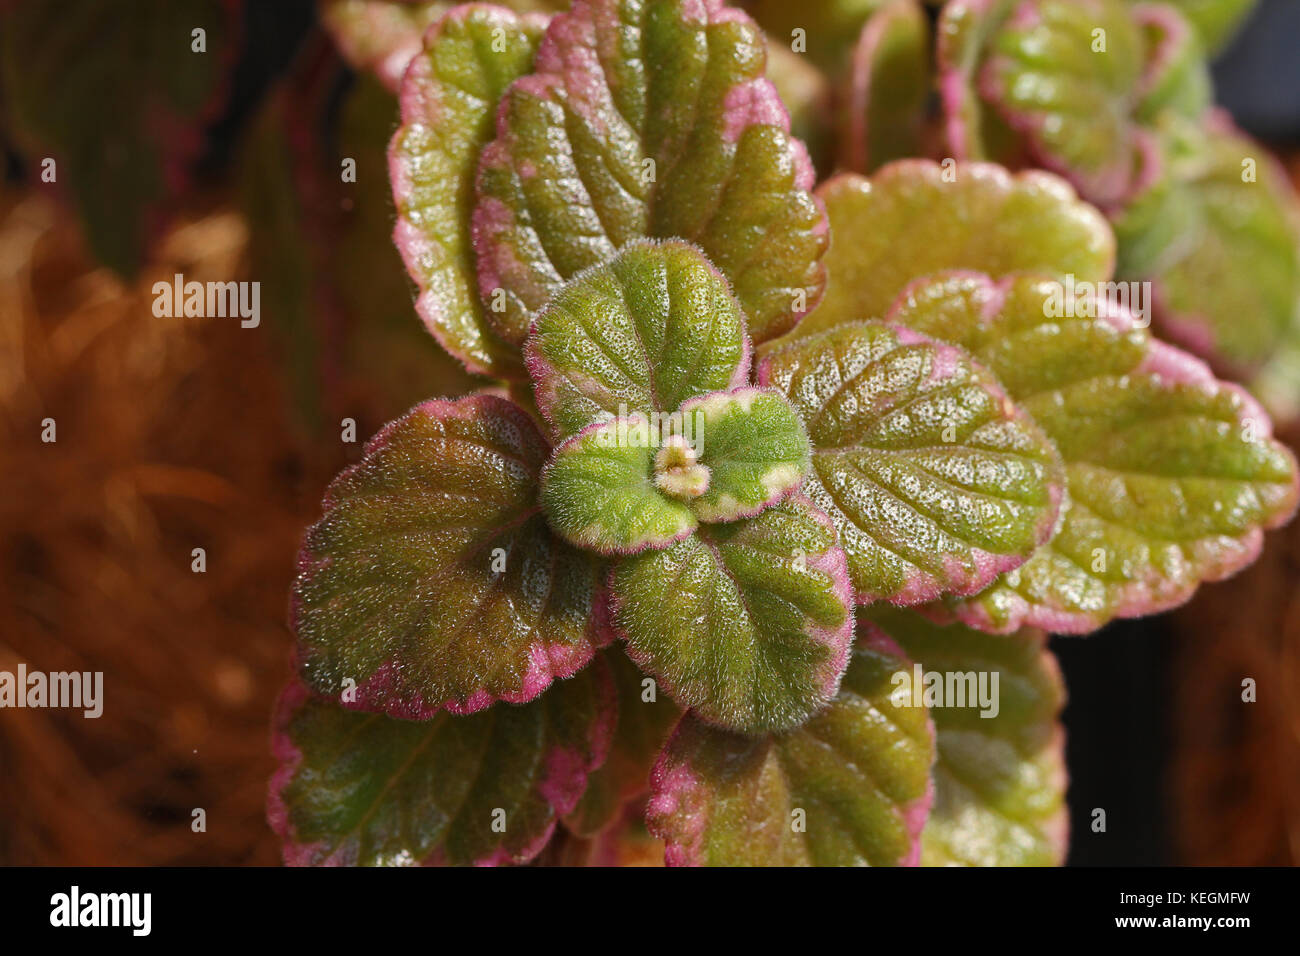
x=758 y=452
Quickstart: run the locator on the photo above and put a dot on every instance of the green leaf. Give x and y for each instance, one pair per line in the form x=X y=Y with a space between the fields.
x=648 y=119
x=1171 y=476
x=448 y=105
x=754 y=447
x=364 y=789
x=641 y=333
x=746 y=622
x=973 y=131
x=118 y=98
x=645 y=719
x=1218 y=238
x=936 y=482
x=1069 y=90
x=999 y=780
x=888 y=87
x=432 y=579
x=599 y=491
x=849 y=787
x=907 y=221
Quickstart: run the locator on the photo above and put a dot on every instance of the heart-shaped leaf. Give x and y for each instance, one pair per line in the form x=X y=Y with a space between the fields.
x=1171 y=476
x=1218 y=238
x=448 y=103
x=432 y=579
x=916 y=218
x=849 y=787
x=365 y=789
x=888 y=87
x=647 y=119
x=936 y=482
x=599 y=491
x=380 y=36
x=999 y=776
x=746 y=622
x=640 y=333
x=645 y=719
x=118 y=98
x=1064 y=74
x=754 y=447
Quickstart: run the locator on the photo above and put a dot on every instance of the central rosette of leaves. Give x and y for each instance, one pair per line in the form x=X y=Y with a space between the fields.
x=610 y=215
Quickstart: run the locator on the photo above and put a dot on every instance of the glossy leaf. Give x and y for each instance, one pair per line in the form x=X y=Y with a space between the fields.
x=118 y=97
x=746 y=622
x=647 y=119
x=936 y=482
x=999 y=780
x=849 y=787
x=1171 y=476
x=1218 y=238
x=888 y=87
x=365 y=789
x=907 y=221
x=754 y=447
x=643 y=332
x=448 y=106
x=432 y=580
x=599 y=491
x=1064 y=75
x=645 y=718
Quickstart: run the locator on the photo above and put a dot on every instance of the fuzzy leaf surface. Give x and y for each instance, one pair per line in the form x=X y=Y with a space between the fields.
x=748 y=622
x=1171 y=475
x=850 y=787
x=999 y=781
x=448 y=108
x=648 y=119
x=641 y=333
x=432 y=579
x=359 y=789
x=936 y=482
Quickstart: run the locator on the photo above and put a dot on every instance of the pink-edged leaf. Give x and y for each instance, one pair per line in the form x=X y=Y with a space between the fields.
x=599 y=491
x=432 y=580
x=849 y=787
x=118 y=97
x=1174 y=73
x=748 y=622
x=640 y=333
x=1064 y=74
x=1171 y=475
x=367 y=790
x=827 y=28
x=754 y=447
x=1214 y=20
x=935 y=480
x=448 y=106
x=888 y=87
x=973 y=130
x=379 y=36
x=999 y=772
x=645 y=719
x=1217 y=236
x=647 y=119
x=915 y=218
